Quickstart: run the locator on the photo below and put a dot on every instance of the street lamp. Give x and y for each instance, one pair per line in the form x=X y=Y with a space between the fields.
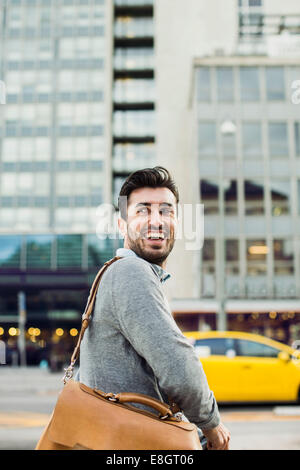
x=227 y=128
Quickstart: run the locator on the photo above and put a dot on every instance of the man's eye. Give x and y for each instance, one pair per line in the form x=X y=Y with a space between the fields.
x=143 y=210
x=166 y=211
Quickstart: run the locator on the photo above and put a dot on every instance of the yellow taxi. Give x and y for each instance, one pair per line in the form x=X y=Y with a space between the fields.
x=244 y=367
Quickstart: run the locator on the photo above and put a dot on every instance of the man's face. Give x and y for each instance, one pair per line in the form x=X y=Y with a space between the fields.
x=151 y=223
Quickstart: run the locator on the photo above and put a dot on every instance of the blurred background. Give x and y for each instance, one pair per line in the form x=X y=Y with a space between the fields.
x=96 y=89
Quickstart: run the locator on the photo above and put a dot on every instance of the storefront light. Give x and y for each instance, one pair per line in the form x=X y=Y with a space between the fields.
x=12 y=331
x=1 y=330
x=33 y=331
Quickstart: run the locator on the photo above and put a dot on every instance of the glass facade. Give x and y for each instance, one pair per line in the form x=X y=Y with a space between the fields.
x=53 y=125
x=278 y=139
x=49 y=252
x=133 y=27
x=249 y=84
x=134 y=90
x=275 y=83
x=249 y=179
x=129 y=156
x=252 y=140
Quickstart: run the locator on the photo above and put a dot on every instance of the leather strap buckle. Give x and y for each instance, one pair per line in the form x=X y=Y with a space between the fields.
x=112 y=397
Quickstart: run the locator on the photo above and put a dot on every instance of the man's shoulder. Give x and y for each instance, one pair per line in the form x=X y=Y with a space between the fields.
x=132 y=263
x=132 y=266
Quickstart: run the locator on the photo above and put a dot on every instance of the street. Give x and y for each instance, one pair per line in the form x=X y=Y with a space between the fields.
x=29 y=395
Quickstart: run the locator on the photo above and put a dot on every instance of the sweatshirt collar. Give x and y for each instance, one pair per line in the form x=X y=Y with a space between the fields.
x=162 y=274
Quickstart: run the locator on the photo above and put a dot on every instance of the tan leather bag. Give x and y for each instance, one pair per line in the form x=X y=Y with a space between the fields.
x=89 y=419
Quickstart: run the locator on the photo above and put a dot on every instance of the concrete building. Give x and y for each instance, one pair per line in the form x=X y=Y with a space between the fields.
x=96 y=89
x=229 y=129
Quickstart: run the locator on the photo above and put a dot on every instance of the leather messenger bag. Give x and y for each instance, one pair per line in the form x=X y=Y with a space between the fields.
x=89 y=419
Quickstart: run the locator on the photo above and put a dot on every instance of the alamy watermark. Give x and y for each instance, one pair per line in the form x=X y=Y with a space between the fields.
x=2 y=92
x=296 y=93
x=187 y=224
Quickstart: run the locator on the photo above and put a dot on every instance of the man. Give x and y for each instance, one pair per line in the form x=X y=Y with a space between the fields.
x=133 y=343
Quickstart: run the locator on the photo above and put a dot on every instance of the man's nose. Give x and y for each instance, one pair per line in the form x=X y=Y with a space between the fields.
x=155 y=218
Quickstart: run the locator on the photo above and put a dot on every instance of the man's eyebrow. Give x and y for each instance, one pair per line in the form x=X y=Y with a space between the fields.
x=148 y=204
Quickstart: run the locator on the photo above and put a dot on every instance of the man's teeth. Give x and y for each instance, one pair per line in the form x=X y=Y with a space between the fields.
x=156 y=236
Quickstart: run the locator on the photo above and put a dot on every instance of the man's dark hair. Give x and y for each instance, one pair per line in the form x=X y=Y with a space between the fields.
x=157 y=177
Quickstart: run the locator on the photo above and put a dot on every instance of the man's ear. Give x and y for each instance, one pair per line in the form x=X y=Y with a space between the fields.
x=122 y=224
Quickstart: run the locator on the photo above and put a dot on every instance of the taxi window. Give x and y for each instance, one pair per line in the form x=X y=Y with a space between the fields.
x=253 y=349
x=215 y=346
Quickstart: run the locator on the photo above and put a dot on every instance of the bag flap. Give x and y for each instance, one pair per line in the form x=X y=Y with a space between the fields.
x=83 y=419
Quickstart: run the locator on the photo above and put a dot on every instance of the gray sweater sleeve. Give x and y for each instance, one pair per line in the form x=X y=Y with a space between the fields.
x=146 y=322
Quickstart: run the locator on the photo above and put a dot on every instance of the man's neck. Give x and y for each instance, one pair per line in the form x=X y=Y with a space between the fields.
x=162 y=264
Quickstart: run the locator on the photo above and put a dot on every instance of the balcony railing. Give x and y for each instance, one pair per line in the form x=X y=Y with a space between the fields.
x=260 y=34
x=259 y=24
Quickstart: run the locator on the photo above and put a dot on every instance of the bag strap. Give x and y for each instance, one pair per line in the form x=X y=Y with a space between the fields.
x=87 y=316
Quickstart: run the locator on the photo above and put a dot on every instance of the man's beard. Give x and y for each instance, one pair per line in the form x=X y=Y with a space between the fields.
x=149 y=254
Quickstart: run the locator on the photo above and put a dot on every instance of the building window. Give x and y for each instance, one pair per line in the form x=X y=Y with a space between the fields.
x=208 y=251
x=10 y=251
x=69 y=251
x=252 y=140
x=232 y=257
x=130 y=157
x=207 y=139
x=100 y=250
x=298 y=186
x=230 y=198
x=250 y=3
x=134 y=123
x=257 y=251
x=254 y=197
x=129 y=27
x=275 y=85
x=249 y=84
x=225 y=84
x=208 y=268
x=134 y=58
x=38 y=251
x=134 y=91
x=278 y=139
x=280 y=197
x=203 y=84
x=283 y=257
x=228 y=145
x=209 y=192
x=297 y=138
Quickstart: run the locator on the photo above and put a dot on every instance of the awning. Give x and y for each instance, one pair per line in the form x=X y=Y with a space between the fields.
x=194 y=306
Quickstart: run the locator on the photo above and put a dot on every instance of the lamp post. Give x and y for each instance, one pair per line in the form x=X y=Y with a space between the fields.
x=22 y=323
x=227 y=128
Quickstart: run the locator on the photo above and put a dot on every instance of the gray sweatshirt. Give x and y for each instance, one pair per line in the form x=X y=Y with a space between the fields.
x=133 y=344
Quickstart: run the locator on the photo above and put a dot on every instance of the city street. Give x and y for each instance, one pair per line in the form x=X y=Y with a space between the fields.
x=29 y=395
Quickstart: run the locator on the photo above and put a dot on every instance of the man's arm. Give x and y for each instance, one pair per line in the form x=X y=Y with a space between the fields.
x=147 y=324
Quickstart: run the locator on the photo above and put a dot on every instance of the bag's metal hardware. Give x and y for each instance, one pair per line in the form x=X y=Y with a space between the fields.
x=165 y=417
x=68 y=373
x=179 y=416
x=113 y=397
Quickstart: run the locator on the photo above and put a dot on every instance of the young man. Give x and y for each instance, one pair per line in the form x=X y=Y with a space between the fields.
x=133 y=343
